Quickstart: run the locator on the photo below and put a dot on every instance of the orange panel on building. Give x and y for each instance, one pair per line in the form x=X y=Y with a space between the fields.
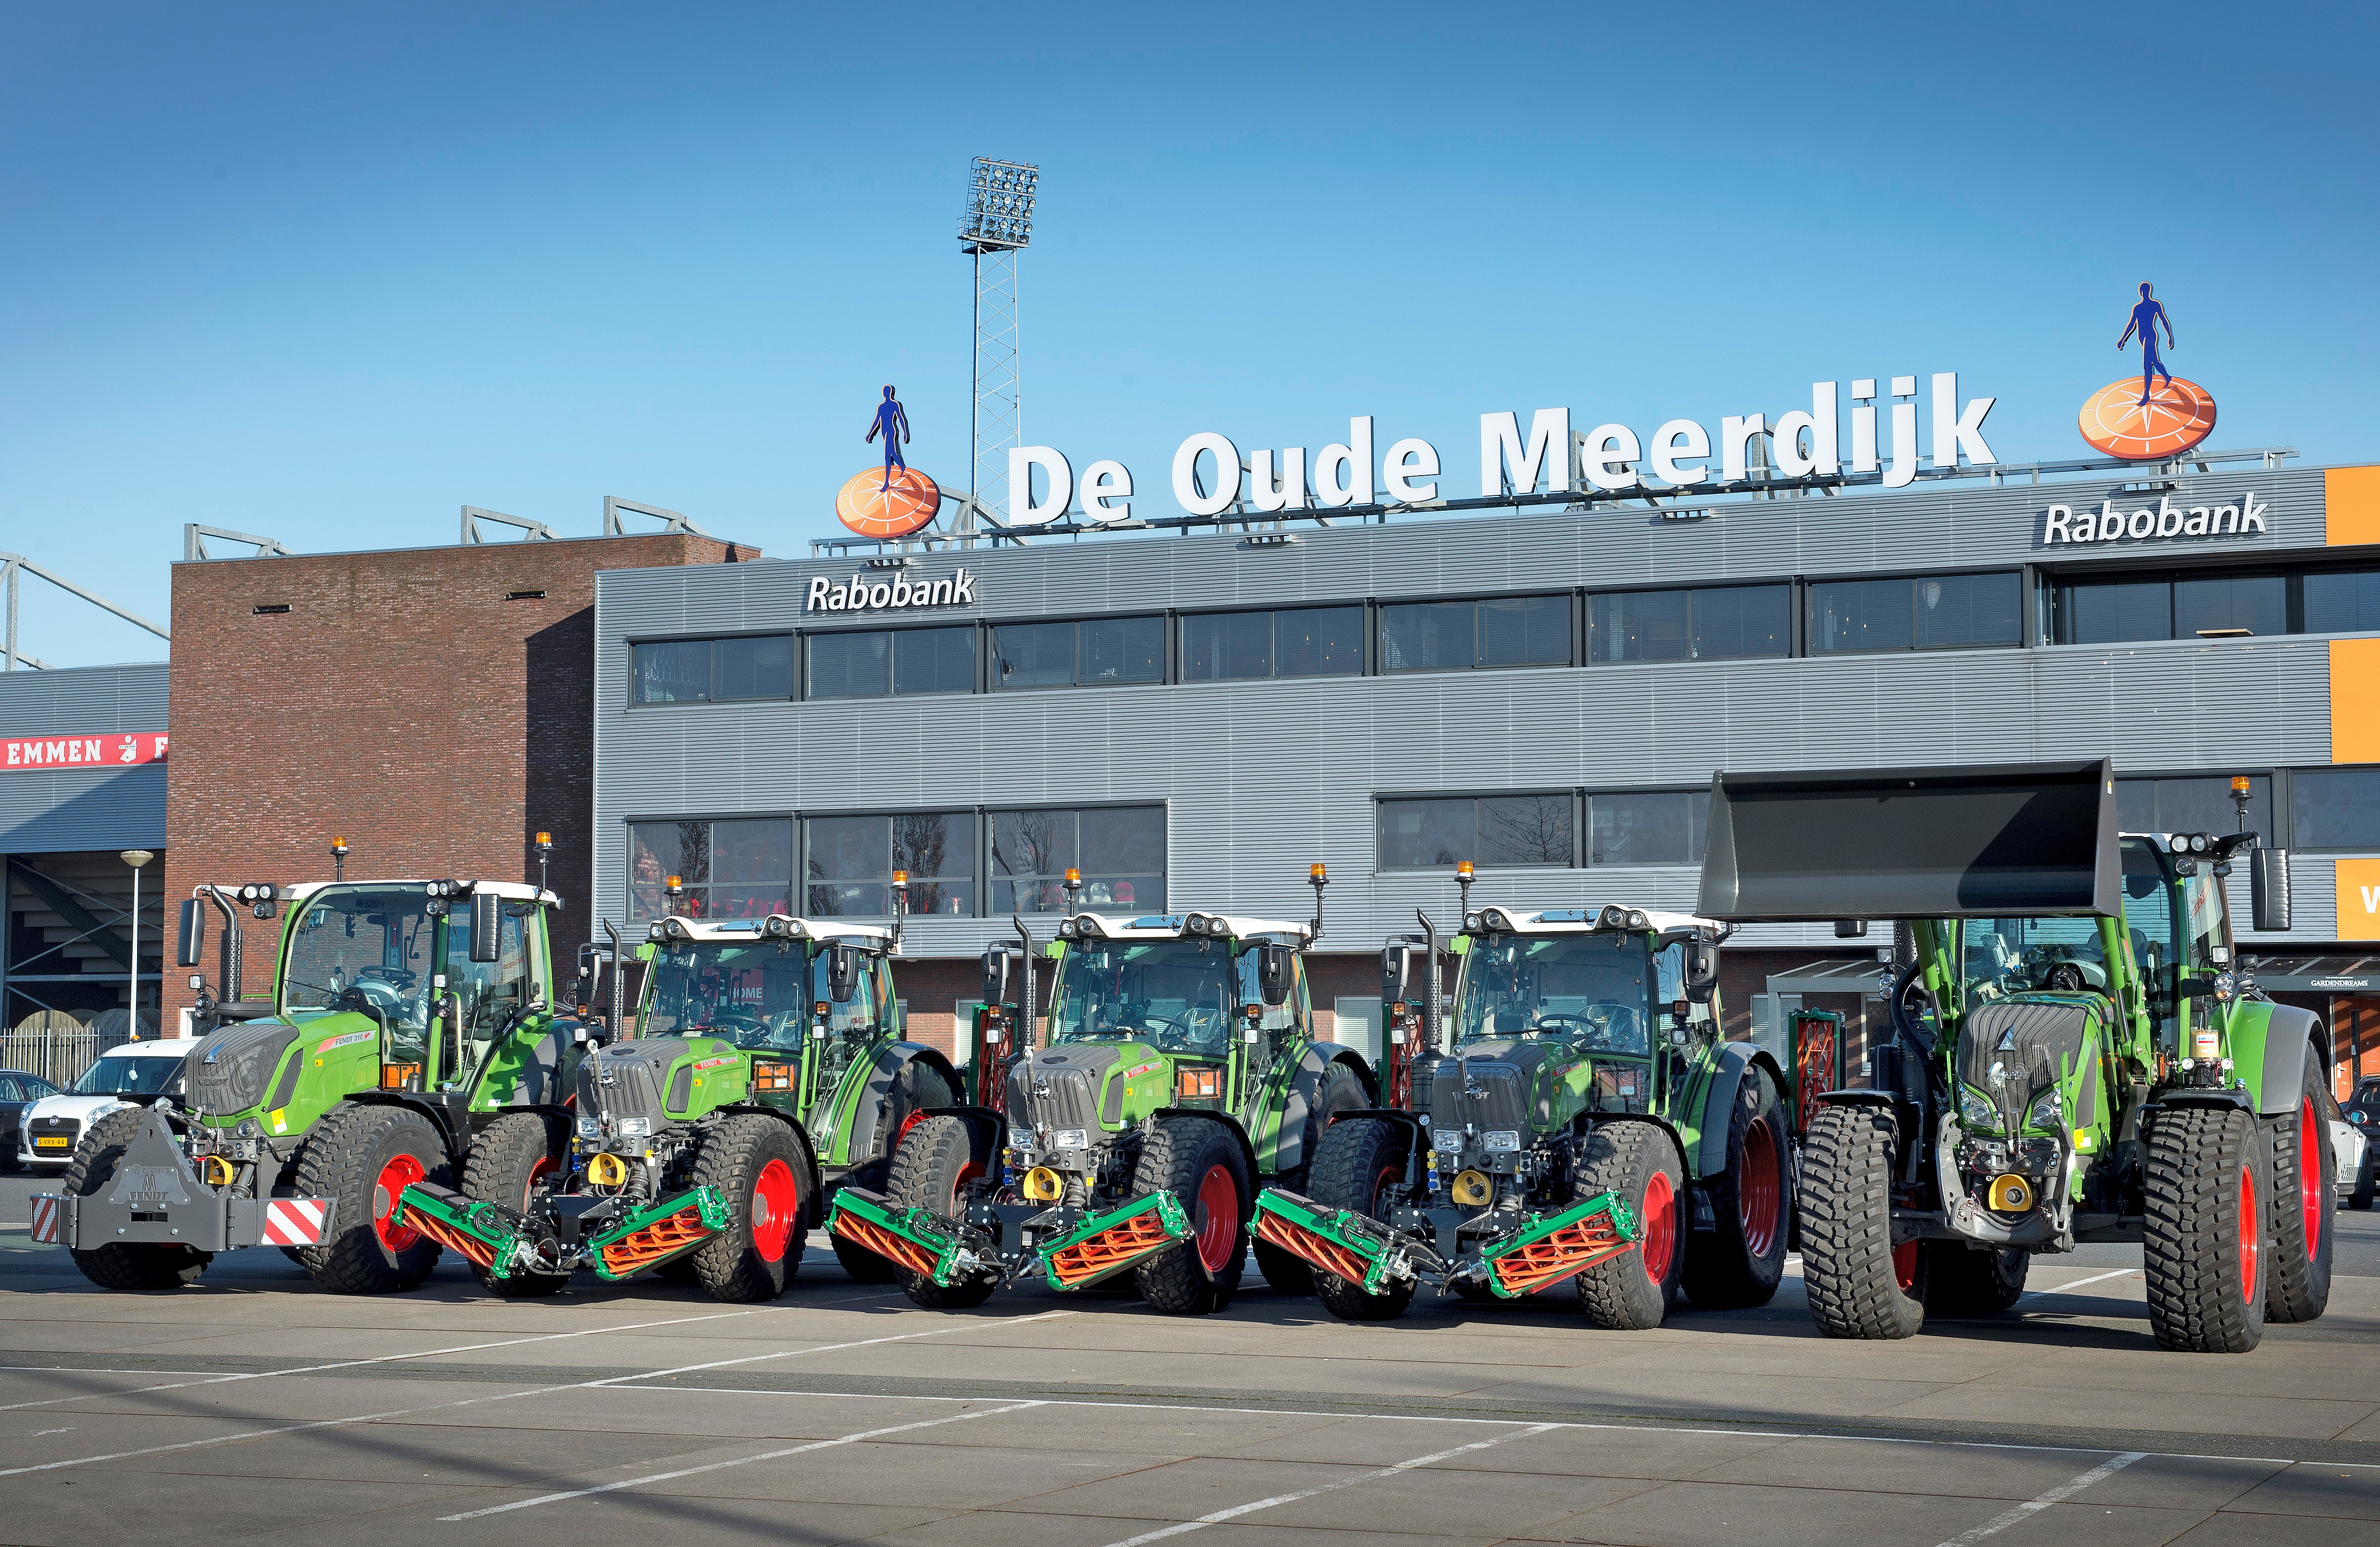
x=2355 y=700
x=2351 y=506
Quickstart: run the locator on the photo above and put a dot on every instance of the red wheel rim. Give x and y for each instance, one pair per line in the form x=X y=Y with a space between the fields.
x=971 y=1171
x=907 y=1123
x=1217 y=1219
x=1382 y=1186
x=2309 y=1178
x=2250 y=1238
x=1904 y=1265
x=1661 y=1216
x=544 y=1167
x=775 y=1202
x=400 y=1173
x=1758 y=1191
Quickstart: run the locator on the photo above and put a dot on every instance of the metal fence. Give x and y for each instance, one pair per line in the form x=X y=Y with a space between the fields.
x=60 y=1051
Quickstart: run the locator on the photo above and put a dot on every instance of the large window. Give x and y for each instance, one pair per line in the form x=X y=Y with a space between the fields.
x=1092 y=652
x=1489 y=831
x=2201 y=804
x=1297 y=642
x=1923 y=611
x=1647 y=827
x=2342 y=601
x=1713 y=623
x=1504 y=631
x=712 y=671
x=2202 y=605
x=2335 y=808
x=731 y=869
x=873 y=663
x=849 y=862
x=2222 y=606
x=1119 y=849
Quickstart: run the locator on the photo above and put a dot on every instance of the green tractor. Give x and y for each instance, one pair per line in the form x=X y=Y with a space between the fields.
x=1181 y=1072
x=2075 y=1053
x=405 y=1019
x=768 y=1068
x=1582 y=1120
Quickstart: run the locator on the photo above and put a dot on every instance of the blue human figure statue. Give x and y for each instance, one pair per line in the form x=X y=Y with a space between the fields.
x=2146 y=317
x=891 y=421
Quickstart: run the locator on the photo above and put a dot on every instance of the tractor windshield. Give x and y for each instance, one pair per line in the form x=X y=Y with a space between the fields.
x=2001 y=957
x=1591 y=987
x=751 y=992
x=1174 y=994
x=365 y=949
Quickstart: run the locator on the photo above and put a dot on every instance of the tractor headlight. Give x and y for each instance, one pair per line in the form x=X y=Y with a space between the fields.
x=1976 y=1113
x=1472 y=921
x=590 y=1127
x=1070 y=1138
x=2046 y=1112
x=634 y=1127
x=1637 y=921
x=1065 y=929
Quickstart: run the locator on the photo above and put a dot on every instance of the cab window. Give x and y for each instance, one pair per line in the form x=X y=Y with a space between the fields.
x=490 y=992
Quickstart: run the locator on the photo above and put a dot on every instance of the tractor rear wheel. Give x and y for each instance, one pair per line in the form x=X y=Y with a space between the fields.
x=511 y=1155
x=2304 y=1196
x=1963 y=1280
x=1198 y=1162
x=133 y=1264
x=1339 y=1092
x=1633 y=1291
x=1861 y=1285
x=917 y=1089
x=364 y=1154
x=1357 y=1168
x=758 y=1165
x=2207 y=1177
x=933 y=1162
x=1741 y=1261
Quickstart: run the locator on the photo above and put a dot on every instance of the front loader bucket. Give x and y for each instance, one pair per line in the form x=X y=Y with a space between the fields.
x=1354 y=1247
x=653 y=1236
x=488 y=1234
x=1107 y=1243
x=909 y=1239
x=2014 y=840
x=1554 y=1248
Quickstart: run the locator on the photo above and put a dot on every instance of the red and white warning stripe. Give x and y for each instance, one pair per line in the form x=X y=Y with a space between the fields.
x=291 y=1222
x=48 y=1210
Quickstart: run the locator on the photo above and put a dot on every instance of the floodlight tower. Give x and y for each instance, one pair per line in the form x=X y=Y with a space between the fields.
x=997 y=225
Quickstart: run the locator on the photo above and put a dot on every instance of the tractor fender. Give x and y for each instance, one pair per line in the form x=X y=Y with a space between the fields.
x=1304 y=1087
x=1857 y=1096
x=1733 y=1066
x=1230 y=1124
x=1587 y=1121
x=2270 y=1048
x=533 y=1064
x=874 y=1099
x=816 y=1211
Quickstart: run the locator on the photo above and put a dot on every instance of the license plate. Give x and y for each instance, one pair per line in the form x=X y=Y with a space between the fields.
x=1504 y=1143
x=47 y=1143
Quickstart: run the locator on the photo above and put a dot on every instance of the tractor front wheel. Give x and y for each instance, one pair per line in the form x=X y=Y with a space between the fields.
x=1741 y=1261
x=931 y=1167
x=758 y=1165
x=1859 y=1283
x=364 y=1154
x=1357 y=1168
x=1338 y=1092
x=1633 y=1291
x=511 y=1156
x=1198 y=1162
x=1963 y=1280
x=132 y=1265
x=2304 y=1196
x=917 y=1089
x=2208 y=1179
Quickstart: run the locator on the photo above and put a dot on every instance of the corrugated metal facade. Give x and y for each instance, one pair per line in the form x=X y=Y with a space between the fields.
x=1260 y=778
x=66 y=810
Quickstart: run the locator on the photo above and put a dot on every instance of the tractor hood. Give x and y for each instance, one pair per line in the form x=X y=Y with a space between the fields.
x=231 y=1071
x=653 y=1076
x=1060 y=1088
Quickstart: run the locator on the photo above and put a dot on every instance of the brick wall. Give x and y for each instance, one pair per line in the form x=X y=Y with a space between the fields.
x=403 y=701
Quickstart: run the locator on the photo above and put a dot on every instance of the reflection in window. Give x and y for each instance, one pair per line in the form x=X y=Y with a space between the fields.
x=873 y=663
x=710 y=671
x=1715 y=622
x=1093 y=653
x=1297 y=642
x=730 y=869
x=2191 y=805
x=1502 y=632
x=2335 y=808
x=850 y=861
x=1119 y=849
x=1648 y=827
x=1489 y=831
x=1924 y=611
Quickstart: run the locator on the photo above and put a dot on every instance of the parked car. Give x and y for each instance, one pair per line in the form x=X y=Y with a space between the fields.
x=50 y=1127
x=18 y=1091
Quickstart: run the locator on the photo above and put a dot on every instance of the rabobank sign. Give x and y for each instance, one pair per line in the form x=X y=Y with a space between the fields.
x=2244 y=517
x=863 y=594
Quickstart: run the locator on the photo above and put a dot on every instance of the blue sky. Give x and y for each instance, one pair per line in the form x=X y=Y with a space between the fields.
x=329 y=273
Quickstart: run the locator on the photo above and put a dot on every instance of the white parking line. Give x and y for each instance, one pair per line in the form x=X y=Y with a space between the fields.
x=509 y=1395
x=2040 y=1502
x=739 y=1461
x=1233 y=1512
x=2061 y=1288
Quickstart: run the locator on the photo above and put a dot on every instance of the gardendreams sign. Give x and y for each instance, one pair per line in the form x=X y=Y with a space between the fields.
x=860 y=594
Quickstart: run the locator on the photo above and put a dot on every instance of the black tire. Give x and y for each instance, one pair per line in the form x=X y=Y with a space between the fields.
x=759 y=1167
x=677 y=1270
x=1859 y=1284
x=2207 y=1177
x=1633 y=1291
x=351 y=1152
x=1965 y=1280
x=1339 y=1092
x=1199 y=1276
x=505 y=1161
x=929 y=1168
x=1740 y=1262
x=918 y=1087
x=1356 y=1167
x=2366 y=1177
x=2304 y=1185
x=133 y=1265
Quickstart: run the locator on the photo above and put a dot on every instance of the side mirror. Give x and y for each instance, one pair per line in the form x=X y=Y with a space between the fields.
x=995 y=975
x=1701 y=970
x=1272 y=972
x=841 y=973
x=1396 y=965
x=486 y=918
x=2268 y=888
x=191 y=935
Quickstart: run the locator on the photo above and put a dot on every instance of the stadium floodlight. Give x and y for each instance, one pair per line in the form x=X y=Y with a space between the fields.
x=999 y=205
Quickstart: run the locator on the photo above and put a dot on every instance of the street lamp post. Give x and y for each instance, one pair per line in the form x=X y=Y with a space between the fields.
x=136 y=858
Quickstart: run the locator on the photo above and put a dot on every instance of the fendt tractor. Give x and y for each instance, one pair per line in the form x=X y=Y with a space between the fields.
x=1181 y=1072
x=405 y=1017
x=1585 y=1120
x=2075 y=1053
x=769 y=1068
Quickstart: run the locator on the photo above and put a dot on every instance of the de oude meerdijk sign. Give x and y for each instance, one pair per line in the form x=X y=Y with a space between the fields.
x=1607 y=458
x=860 y=594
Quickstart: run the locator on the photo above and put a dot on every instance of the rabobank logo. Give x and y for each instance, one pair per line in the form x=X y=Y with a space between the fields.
x=2157 y=418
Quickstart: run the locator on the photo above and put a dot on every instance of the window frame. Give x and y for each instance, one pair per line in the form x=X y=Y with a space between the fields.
x=1790 y=585
x=986 y=670
x=1178 y=671
x=1377 y=654
x=634 y=642
x=631 y=925
x=1806 y=622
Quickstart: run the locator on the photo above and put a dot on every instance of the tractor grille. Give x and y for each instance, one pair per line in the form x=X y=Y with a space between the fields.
x=1041 y=1097
x=233 y=1069
x=1483 y=1093
x=624 y=1078
x=2028 y=1041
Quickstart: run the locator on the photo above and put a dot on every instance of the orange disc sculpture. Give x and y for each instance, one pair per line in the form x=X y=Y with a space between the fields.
x=871 y=507
x=2177 y=416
